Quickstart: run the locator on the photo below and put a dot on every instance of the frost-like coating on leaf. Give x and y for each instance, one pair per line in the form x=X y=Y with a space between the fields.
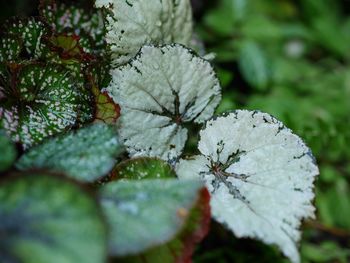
x=45 y=218
x=260 y=176
x=134 y=23
x=85 y=155
x=159 y=91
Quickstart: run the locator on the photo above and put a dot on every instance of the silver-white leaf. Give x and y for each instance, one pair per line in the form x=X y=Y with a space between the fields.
x=134 y=23
x=159 y=91
x=260 y=176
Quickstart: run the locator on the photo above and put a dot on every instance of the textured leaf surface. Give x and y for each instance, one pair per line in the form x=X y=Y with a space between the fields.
x=48 y=219
x=132 y=24
x=85 y=155
x=8 y=152
x=143 y=168
x=10 y=48
x=65 y=49
x=260 y=176
x=31 y=31
x=75 y=17
x=147 y=213
x=159 y=91
x=37 y=102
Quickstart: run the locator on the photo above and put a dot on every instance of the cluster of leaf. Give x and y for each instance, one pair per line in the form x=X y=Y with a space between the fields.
x=66 y=198
x=291 y=59
x=60 y=204
x=52 y=70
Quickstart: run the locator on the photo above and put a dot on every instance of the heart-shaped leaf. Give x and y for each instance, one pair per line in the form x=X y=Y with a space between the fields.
x=159 y=91
x=260 y=176
x=46 y=218
x=168 y=216
x=132 y=24
x=86 y=155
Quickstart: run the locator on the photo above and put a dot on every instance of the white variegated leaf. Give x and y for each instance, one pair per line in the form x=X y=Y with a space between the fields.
x=159 y=91
x=134 y=23
x=260 y=176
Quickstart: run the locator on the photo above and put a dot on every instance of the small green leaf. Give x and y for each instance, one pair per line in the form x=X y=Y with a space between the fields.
x=143 y=168
x=8 y=152
x=45 y=218
x=253 y=65
x=86 y=155
x=144 y=215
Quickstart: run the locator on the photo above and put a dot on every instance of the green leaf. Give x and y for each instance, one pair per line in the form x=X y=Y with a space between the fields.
x=66 y=50
x=45 y=218
x=31 y=31
x=143 y=168
x=10 y=48
x=160 y=218
x=40 y=101
x=86 y=155
x=327 y=251
x=8 y=152
x=253 y=65
x=75 y=17
x=332 y=200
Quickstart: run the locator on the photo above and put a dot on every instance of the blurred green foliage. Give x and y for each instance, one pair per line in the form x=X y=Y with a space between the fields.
x=292 y=60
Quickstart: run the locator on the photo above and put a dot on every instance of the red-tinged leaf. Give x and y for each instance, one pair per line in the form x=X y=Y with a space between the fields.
x=68 y=48
x=79 y=17
x=105 y=109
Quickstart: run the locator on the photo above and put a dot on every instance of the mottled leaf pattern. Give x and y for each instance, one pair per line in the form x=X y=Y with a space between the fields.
x=40 y=101
x=260 y=176
x=31 y=31
x=85 y=155
x=159 y=91
x=75 y=17
x=10 y=48
x=134 y=23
